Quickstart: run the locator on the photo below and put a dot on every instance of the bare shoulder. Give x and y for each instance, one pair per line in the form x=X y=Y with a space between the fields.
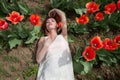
x=41 y=40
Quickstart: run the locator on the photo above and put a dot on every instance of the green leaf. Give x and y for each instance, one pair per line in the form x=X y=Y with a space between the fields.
x=80 y=29
x=4 y=6
x=81 y=11
x=31 y=39
x=87 y=67
x=70 y=38
x=106 y=56
x=118 y=57
x=78 y=67
x=106 y=60
x=23 y=8
x=35 y=31
x=23 y=32
x=116 y=53
x=14 y=42
x=34 y=34
x=78 y=53
x=56 y=3
x=102 y=52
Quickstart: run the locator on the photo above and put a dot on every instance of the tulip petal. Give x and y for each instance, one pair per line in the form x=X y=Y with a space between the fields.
x=96 y=43
x=15 y=17
x=89 y=53
x=109 y=45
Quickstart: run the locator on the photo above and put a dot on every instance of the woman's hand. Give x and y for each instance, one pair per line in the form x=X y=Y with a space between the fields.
x=48 y=42
x=43 y=45
x=61 y=14
x=53 y=12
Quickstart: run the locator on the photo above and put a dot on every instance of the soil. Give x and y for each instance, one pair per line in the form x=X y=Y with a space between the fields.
x=16 y=64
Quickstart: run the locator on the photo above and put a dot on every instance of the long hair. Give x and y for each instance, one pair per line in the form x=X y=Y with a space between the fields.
x=44 y=28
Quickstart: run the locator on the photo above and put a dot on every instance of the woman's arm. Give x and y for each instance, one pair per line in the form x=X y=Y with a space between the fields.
x=43 y=45
x=41 y=50
x=63 y=20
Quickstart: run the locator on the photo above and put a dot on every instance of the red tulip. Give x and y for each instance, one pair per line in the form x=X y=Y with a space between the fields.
x=92 y=7
x=109 y=8
x=117 y=40
x=99 y=16
x=89 y=53
x=82 y=20
x=118 y=4
x=96 y=43
x=3 y=25
x=15 y=17
x=60 y=24
x=109 y=45
x=35 y=19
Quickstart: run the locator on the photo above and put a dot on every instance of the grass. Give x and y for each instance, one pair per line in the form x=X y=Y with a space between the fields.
x=10 y=59
x=12 y=68
x=3 y=72
x=31 y=70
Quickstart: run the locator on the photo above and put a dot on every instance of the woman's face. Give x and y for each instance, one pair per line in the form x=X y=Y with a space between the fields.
x=51 y=23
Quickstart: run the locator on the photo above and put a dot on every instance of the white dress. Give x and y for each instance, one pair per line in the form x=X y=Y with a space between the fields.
x=57 y=64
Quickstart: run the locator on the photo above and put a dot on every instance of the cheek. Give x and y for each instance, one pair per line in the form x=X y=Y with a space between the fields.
x=55 y=24
x=47 y=24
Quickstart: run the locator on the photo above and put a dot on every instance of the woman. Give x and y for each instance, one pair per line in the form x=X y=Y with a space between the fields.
x=53 y=52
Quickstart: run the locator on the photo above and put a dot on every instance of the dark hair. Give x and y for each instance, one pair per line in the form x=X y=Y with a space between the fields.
x=44 y=28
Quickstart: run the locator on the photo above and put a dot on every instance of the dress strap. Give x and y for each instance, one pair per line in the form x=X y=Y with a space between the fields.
x=64 y=38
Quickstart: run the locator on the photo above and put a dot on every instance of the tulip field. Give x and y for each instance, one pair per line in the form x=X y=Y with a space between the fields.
x=93 y=35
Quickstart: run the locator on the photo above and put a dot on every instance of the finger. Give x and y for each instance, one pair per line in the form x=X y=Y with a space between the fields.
x=50 y=12
x=53 y=10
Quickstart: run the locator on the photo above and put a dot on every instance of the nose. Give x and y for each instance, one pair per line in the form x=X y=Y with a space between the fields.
x=49 y=23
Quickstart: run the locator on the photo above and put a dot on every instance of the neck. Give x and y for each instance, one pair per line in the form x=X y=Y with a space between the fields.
x=53 y=34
